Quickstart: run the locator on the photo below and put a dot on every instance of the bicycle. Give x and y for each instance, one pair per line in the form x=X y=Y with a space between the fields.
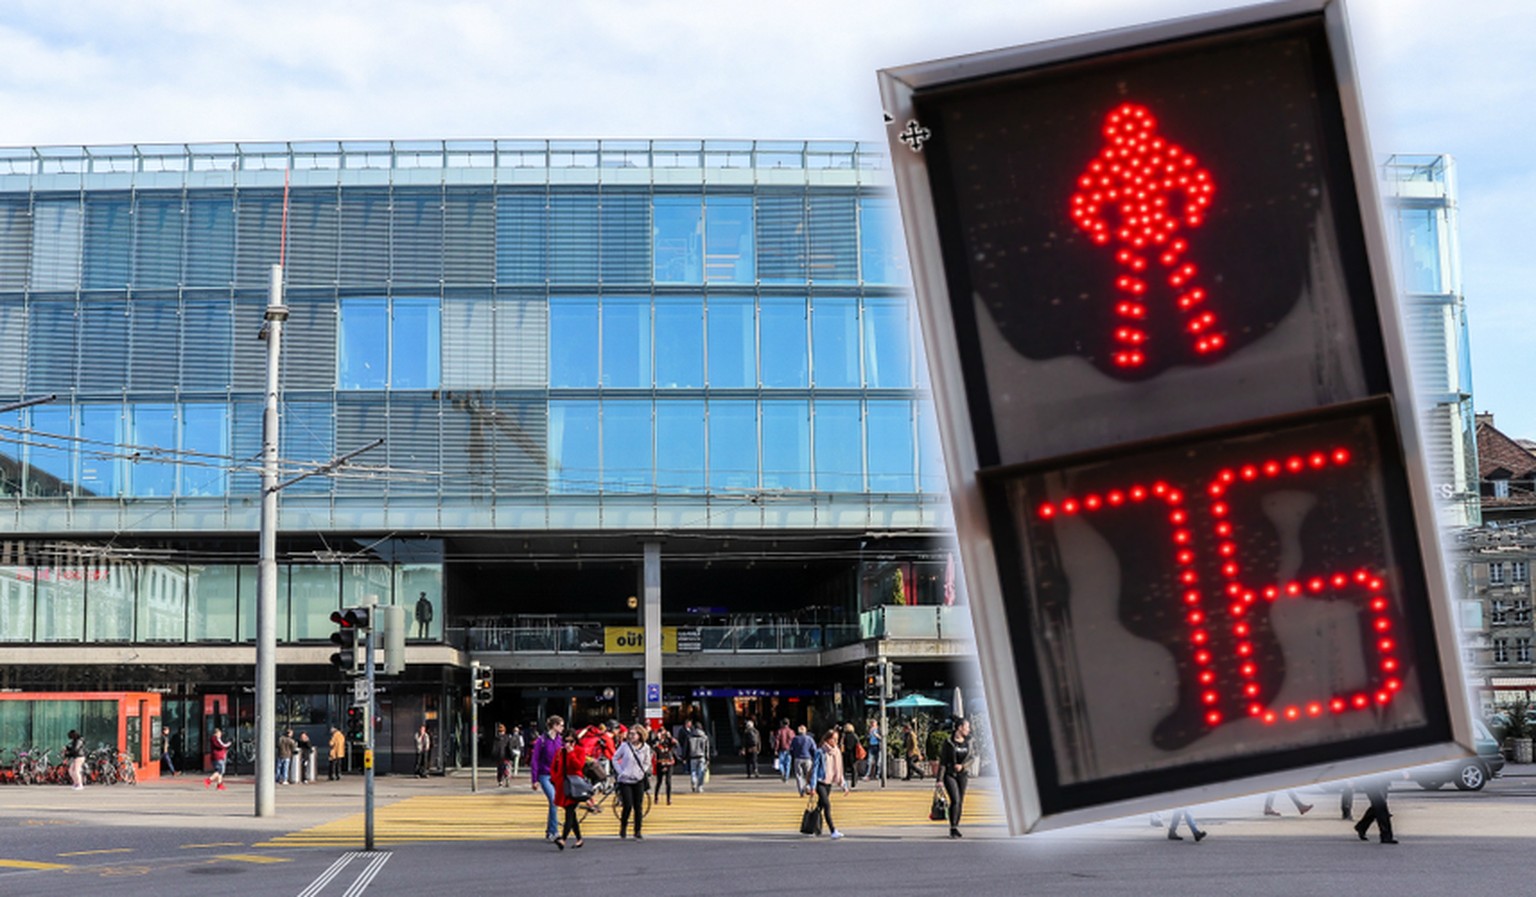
x=602 y=792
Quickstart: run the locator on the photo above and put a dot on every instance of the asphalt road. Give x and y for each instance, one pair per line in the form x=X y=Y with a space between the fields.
x=176 y=839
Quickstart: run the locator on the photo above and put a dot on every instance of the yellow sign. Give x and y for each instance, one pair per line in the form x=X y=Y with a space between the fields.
x=368 y=759
x=631 y=640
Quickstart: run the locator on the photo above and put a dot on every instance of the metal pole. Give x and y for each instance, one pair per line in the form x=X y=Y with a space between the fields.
x=474 y=729
x=266 y=567
x=885 y=735
x=368 y=742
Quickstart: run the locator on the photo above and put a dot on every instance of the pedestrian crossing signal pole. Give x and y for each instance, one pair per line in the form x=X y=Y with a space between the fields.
x=885 y=736
x=474 y=727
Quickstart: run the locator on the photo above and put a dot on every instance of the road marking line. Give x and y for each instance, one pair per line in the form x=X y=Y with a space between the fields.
x=252 y=858
x=214 y=844
x=366 y=877
x=325 y=877
x=31 y=864
x=86 y=853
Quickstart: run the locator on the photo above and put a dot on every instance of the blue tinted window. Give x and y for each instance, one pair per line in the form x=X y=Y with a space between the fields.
x=154 y=427
x=627 y=445
x=728 y=254
x=573 y=342
x=732 y=343
x=573 y=237
x=101 y=434
x=882 y=254
x=732 y=445
x=626 y=342
x=835 y=342
x=204 y=430
x=363 y=354
x=785 y=351
x=1421 y=250
x=891 y=454
x=108 y=242
x=887 y=344
x=678 y=235
x=522 y=237
x=573 y=447
x=679 y=341
x=680 y=446
x=415 y=362
x=786 y=444
x=839 y=446
x=930 y=455
x=48 y=452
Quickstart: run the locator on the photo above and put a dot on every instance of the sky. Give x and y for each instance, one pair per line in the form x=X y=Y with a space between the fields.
x=1436 y=77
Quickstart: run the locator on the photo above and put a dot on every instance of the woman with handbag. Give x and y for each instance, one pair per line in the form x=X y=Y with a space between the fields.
x=571 y=787
x=827 y=773
x=631 y=763
x=953 y=756
x=666 y=757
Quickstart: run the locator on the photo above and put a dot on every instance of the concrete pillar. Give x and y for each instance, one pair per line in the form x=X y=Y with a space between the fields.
x=650 y=604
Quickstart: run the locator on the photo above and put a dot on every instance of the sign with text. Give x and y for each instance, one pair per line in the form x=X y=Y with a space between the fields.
x=1171 y=385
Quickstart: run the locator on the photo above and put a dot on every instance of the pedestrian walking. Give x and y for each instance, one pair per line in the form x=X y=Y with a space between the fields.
x=876 y=755
x=827 y=773
x=167 y=753
x=698 y=756
x=631 y=764
x=501 y=751
x=665 y=754
x=423 y=752
x=913 y=750
x=218 y=752
x=853 y=752
x=569 y=763
x=541 y=761
x=1375 y=789
x=782 y=736
x=286 y=748
x=802 y=751
x=337 y=754
x=74 y=752
x=954 y=760
x=751 y=745
x=1269 y=804
x=1189 y=820
x=306 y=771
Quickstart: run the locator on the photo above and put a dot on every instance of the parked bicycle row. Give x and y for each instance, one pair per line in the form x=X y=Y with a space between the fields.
x=103 y=766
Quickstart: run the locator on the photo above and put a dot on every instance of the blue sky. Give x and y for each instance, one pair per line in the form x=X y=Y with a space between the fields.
x=1436 y=78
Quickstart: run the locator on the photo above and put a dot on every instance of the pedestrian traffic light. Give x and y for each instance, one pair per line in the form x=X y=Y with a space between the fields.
x=1189 y=490
x=484 y=684
x=355 y=718
x=874 y=680
x=351 y=640
x=892 y=680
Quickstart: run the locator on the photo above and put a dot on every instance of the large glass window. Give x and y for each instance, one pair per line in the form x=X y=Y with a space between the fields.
x=573 y=446
x=882 y=255
x=627 y=445
x=728 y=251
x=786 y=444
x=679 y=341
x=415 y=584
x=626 y=342
x=680 y=438
x=48 y=454
x=60 y=603
x=101 y=440
x=110 y=594
x=212 y=593
x=931 y=476
x=678 y=228
x=891 y=455
x=573 y=342
x=732 y=343
x=363 y=355
x=250 y=597
x=205 y=439
x=1421 y=254
x=415 y=341
x=154 y=427
x=839 y=446
x=732 y=445
x=785 y=348
x=162 y=603
x=315 y=593
x=887 y=343
x=835 y=342
x=16 y=607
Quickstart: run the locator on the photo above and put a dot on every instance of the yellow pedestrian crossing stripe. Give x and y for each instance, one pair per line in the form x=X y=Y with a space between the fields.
x=30 y=864
x=513 y=816
x=252 y=858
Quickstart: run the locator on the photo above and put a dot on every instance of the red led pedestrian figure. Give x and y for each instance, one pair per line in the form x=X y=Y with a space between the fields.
x=1137 y=195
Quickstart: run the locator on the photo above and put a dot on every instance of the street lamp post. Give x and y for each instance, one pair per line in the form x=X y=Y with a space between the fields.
x=266 y=567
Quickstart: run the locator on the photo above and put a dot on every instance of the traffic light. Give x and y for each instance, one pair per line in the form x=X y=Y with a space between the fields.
x=355 y=717
x=351 y=639
x=874 y=680
x=484 y=684
x=892 y=681
x=392 y=626
x=1155 y=293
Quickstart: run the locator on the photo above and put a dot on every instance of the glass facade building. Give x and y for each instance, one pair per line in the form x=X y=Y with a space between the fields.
x=1420 y=192
x=569 y=349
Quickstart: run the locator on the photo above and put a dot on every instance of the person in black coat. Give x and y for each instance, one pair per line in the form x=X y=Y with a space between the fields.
x=953 y=757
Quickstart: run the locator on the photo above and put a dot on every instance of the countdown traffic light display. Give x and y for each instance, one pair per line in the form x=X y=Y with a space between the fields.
x=1172 y=388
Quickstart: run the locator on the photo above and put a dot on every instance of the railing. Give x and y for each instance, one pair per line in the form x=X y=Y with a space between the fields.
x=766 y=638
x=931 y=622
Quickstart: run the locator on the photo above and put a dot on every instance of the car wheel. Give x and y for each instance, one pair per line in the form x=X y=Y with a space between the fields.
x=1471 y=777
x=1429 y=784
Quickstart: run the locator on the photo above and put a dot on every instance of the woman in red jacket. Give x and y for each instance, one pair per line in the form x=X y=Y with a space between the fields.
x=570 y=761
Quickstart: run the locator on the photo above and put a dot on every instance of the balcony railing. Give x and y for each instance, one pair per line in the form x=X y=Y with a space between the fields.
x=764 y=638
x=932 y=622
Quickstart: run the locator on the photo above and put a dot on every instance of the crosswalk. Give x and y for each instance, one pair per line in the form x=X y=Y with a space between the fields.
x=521 y=815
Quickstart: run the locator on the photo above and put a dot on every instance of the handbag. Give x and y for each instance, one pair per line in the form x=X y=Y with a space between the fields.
x=578 y=789
x=939 y=812
x=810 y=820
x=593 y=771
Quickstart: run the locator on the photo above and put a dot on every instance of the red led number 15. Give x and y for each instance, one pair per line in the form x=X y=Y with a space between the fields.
x=1220 y=613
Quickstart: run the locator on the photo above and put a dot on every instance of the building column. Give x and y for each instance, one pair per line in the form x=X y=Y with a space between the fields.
x=650 y=687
